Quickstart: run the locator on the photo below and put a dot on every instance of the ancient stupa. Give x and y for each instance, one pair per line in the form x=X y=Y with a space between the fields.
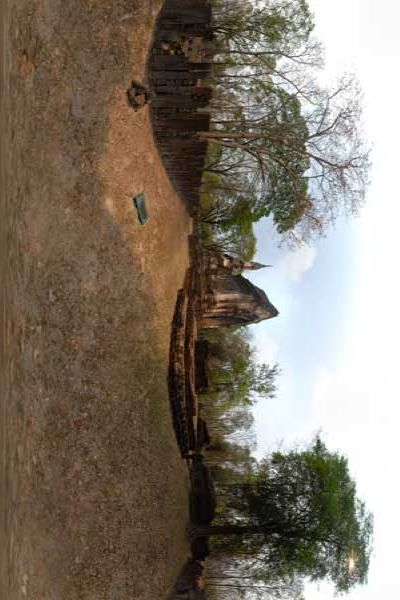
x=229 y=298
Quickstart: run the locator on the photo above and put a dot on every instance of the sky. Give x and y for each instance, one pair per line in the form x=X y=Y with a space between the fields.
x=338 y=333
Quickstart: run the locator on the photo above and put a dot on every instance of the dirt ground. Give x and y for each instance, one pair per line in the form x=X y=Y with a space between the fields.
x=93 y=492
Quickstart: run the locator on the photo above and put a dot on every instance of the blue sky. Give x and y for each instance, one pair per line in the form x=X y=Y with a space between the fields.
x=337 y=337
x=312 y=291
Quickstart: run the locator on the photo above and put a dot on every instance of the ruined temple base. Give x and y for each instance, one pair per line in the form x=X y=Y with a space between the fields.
x=215 y=295
x=186 y=370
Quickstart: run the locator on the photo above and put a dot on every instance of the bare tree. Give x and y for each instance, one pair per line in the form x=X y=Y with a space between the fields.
x=293 y=146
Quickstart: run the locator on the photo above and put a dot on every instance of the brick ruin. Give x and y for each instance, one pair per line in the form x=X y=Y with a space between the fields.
x=215 y=294
x=179 y=64
x=229 y=298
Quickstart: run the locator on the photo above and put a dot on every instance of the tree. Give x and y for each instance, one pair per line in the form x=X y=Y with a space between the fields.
x=290 y=147
x=310 y=158
x=299 y=516
x=273 y=27
x=235 y=371
x=231 y=224
x=236 y=383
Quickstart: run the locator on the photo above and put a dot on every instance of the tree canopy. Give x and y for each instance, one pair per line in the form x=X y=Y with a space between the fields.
x=299 y=516
x=237 y=381
x=291 y=148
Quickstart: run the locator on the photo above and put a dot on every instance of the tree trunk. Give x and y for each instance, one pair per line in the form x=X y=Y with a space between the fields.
x=225 y=530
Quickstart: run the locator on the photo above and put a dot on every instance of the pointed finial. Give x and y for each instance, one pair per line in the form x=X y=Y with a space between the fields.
x=253 y=266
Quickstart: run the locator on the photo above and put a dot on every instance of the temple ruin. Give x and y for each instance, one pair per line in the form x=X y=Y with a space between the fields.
x=215 y=294
x=229 y=298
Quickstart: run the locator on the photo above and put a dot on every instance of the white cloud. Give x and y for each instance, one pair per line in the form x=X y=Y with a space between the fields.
x=267 y=349
x=296 y=263
x=340 y=408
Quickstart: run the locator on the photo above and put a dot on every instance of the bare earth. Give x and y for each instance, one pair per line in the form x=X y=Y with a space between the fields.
x=93 y=492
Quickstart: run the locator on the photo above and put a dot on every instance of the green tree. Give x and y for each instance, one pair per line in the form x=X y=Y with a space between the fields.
x=300 y=516
x=291 y=148
x=236 y=383
x=309 y=161
x=273 y=28
x=235 y=370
